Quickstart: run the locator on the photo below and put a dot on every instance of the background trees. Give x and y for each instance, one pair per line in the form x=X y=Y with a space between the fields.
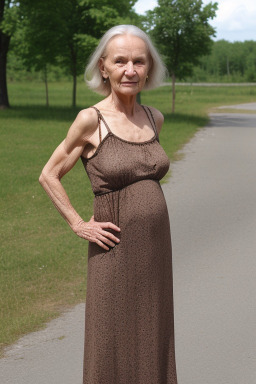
x=55 y=38
x=228 y=62
x=72 y=30
x=63 y=32
x=181 y=30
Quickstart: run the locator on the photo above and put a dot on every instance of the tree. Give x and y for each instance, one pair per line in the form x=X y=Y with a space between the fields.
x=229 y=61
x=250 y=71
x=34 y=43
x=67 y=31
x=8 y=17
x=181 y=30
x=85 y=21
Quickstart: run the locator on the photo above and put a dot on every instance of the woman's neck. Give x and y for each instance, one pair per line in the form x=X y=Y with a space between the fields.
x=124 y=104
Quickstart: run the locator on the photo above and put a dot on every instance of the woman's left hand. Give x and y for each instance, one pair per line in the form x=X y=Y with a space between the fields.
x=95 y=232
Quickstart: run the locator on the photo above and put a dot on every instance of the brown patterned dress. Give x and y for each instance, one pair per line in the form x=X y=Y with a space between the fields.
x=129 y=323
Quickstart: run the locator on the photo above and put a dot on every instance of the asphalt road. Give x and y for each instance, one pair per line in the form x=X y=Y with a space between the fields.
x=212 y=205
x=211 y=201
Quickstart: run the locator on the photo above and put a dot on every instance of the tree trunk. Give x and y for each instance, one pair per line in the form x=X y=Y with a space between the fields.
x=46 y=87
x=74 y=90
x=228 y=72
x=73 y=54
x=4 y=45
x=173 y=92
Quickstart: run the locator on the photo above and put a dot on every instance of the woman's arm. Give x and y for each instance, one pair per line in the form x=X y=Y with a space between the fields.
x=62 y=161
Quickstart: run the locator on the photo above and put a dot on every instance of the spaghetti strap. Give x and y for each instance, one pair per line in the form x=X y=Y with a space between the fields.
x=147 y=111
x=98 y=113
x=100 y=117
x=151 y=119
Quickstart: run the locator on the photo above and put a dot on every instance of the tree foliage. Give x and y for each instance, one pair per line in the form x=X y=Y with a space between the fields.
x=66 y=31
x=228 y=61
x=181 y=31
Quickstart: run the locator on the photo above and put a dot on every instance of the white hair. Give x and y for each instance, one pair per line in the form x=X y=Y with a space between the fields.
x=93 y=76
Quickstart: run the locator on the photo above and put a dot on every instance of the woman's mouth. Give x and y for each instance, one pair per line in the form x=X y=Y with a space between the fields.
x=129 y=83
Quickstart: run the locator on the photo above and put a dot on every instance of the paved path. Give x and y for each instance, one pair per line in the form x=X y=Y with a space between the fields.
x=212 y=84
x=211 y=201
x=212 y=205
x=246 y=107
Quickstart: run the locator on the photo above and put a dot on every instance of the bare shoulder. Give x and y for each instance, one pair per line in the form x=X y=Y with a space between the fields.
x=86 y=121
x=84 y=125
x=158 y=116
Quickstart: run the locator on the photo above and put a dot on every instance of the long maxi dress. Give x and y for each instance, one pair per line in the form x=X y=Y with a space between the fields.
x=129 y=321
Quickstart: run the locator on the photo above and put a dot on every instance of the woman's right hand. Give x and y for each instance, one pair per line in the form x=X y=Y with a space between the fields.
x=95 y=232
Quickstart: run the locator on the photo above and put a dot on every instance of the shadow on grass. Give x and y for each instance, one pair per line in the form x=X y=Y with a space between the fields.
x=180 y=118
x=58 y=113
x=39 y=112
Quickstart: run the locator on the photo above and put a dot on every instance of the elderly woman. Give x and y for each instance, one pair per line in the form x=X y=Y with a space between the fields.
x=129 y=325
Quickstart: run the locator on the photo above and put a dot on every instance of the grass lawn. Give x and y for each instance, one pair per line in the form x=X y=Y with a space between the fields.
x=43 y=264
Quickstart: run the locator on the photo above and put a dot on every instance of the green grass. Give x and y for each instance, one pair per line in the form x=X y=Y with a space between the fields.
x=43 y=264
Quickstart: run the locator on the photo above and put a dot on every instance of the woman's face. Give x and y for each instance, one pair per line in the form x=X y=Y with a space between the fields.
x=126 y=64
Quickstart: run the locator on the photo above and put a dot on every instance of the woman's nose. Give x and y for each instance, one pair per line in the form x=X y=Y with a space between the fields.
x=129 y=71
